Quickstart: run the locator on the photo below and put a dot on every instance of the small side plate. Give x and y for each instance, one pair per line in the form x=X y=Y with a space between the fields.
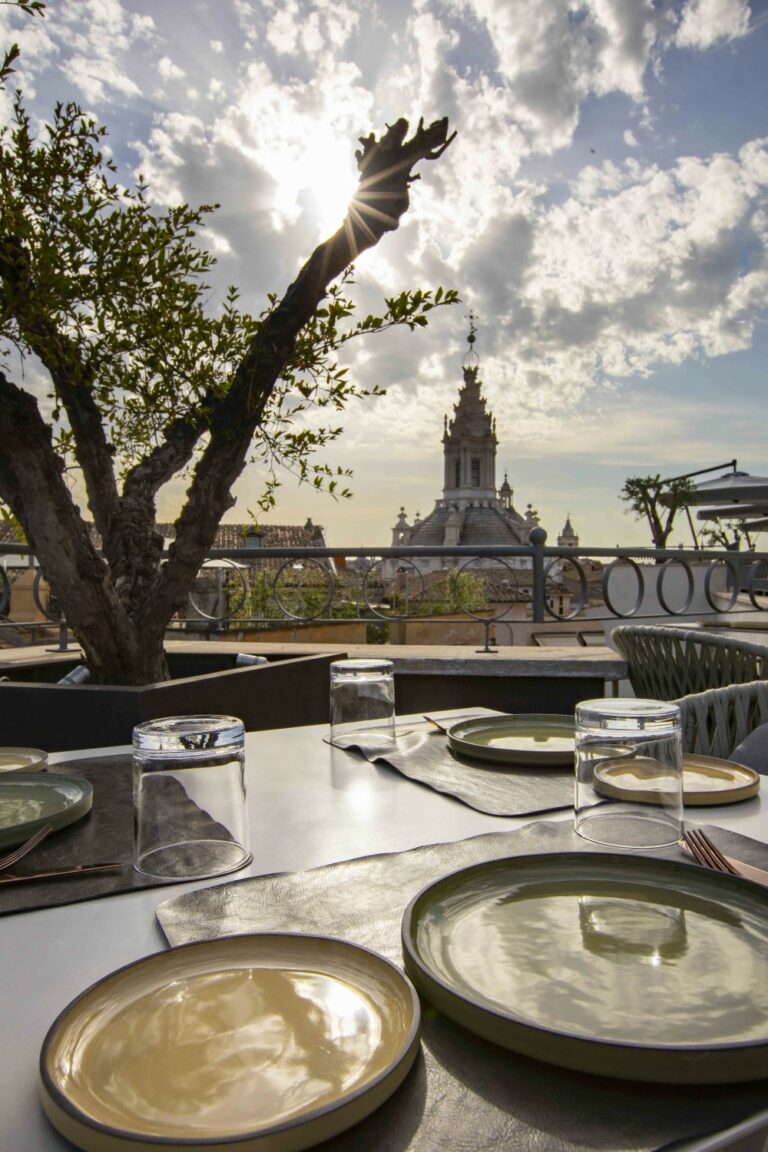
x=28 y=800
x=23 y=760
x=536 y=739
x=706 y=780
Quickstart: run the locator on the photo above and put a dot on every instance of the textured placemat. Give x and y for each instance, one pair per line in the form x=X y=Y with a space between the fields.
x=465 y=1093
x=423 y=755
x=106 y=833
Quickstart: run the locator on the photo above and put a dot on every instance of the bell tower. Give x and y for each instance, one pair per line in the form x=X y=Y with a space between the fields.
x=469 y=439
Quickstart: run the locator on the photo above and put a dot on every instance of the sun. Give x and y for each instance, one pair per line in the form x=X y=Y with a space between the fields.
x=334 y=184
x=313 y=173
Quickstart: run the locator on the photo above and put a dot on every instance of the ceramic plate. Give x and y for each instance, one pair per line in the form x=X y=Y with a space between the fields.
x=623 y=966
x=537 y=739
x=28 y=800
x=706 y=780
x=249 y=1042
x=22 y=759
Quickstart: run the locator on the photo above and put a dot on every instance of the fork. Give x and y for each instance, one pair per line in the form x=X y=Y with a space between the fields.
x=706 y=853
x=22 y=850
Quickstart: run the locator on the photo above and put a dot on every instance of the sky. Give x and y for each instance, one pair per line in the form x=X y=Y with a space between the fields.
x=603 y=212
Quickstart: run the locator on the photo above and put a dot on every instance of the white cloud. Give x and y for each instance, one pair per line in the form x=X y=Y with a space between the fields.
x=586 y=277
x=168 y=70
x=707 y=22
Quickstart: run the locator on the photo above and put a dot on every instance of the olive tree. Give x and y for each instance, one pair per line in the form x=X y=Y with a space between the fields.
x=106 y=295
x=657 y=502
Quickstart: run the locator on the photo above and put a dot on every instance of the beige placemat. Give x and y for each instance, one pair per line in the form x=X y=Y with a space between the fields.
x=465 y=1094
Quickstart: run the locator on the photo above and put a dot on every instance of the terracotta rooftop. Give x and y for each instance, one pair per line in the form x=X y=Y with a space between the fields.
x=306 y=535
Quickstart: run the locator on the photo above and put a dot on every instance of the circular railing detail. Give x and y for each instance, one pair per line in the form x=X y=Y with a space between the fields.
x=406 y=584
x=583 y=588
x=754 y=569
x=709 y=576
x=496 y=588
x=664 y=569
x=226 y=603
x=606 y=579
x=306 y=585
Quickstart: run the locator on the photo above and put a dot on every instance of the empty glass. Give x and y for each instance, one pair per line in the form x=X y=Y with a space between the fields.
x=629 y=773
x=363 y=704
x=190 y=811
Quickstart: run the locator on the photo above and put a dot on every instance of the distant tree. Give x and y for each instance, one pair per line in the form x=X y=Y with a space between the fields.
x=729 y=534
x=106 y=294
x=657 y=502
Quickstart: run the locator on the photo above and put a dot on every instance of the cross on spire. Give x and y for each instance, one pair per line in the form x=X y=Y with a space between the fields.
x=471 y=359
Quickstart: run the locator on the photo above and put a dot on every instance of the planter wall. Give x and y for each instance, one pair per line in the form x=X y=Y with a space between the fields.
x=59 y=717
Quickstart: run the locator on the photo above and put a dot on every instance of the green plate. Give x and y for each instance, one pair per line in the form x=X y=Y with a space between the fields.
x=28 y=800
x=254 y=1043
x=535 y=739
x=622 y=966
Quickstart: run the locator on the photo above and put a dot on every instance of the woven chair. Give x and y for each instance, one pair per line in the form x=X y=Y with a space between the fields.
x=666 y=663
x=714 y=722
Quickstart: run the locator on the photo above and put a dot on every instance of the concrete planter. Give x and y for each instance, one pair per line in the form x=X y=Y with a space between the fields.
x=59 y=717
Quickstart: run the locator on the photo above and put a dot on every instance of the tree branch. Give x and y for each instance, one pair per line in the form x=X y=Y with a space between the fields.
x=386 y=173
x=72 y=380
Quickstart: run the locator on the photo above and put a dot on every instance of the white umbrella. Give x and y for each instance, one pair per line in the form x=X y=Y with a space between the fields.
x=729 y=489
x=733 y=511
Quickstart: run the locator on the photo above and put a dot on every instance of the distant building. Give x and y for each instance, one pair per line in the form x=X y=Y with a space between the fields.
x=471 y=511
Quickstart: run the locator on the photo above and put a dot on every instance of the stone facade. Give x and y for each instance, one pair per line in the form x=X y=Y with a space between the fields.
x=471 y=510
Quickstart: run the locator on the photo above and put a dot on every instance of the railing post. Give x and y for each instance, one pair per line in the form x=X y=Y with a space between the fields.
x=537 y=539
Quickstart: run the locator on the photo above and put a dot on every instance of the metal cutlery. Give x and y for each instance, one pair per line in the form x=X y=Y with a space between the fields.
x=706 y=853
x=55 y=873
x=13 y=857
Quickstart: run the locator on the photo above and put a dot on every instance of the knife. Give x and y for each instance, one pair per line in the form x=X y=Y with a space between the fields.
x=53 y=874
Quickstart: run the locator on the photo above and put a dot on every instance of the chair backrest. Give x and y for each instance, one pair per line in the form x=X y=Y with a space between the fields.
x=714 y=722
x=666 y=663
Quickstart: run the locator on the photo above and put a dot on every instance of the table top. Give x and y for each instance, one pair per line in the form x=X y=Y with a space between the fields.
x=309 y=804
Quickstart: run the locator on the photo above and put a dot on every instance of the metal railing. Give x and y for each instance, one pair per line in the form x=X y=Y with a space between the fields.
x=484 y=587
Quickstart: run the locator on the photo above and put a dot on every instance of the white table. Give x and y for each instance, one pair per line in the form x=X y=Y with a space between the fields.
x=309 y=805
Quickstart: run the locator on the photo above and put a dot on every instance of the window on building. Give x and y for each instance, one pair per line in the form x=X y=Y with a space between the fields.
x=458 y=474
x=475 y=473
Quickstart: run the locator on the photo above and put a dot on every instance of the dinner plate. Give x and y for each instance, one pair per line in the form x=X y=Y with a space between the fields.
x=706 y=780
x=533 y=739
x=260 y=1042
x=28 y=800
x=22 y=759
x=627 y=967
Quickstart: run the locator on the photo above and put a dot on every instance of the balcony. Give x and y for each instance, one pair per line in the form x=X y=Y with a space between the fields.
x=513 y=628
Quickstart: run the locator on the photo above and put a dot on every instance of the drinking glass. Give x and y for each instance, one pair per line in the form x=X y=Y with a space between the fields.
x=629 y=773
x=190 y=809
x=363 y=704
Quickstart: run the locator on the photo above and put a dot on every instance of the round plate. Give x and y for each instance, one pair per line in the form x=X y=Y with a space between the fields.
x=534 y=739
x=28 y=800
x=706 y=780
x=23 y=759
x=249 y=1042
x=627 y=967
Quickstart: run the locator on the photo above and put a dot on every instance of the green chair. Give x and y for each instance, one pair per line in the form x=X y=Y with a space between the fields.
x=667 y=663
x=714 y=722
